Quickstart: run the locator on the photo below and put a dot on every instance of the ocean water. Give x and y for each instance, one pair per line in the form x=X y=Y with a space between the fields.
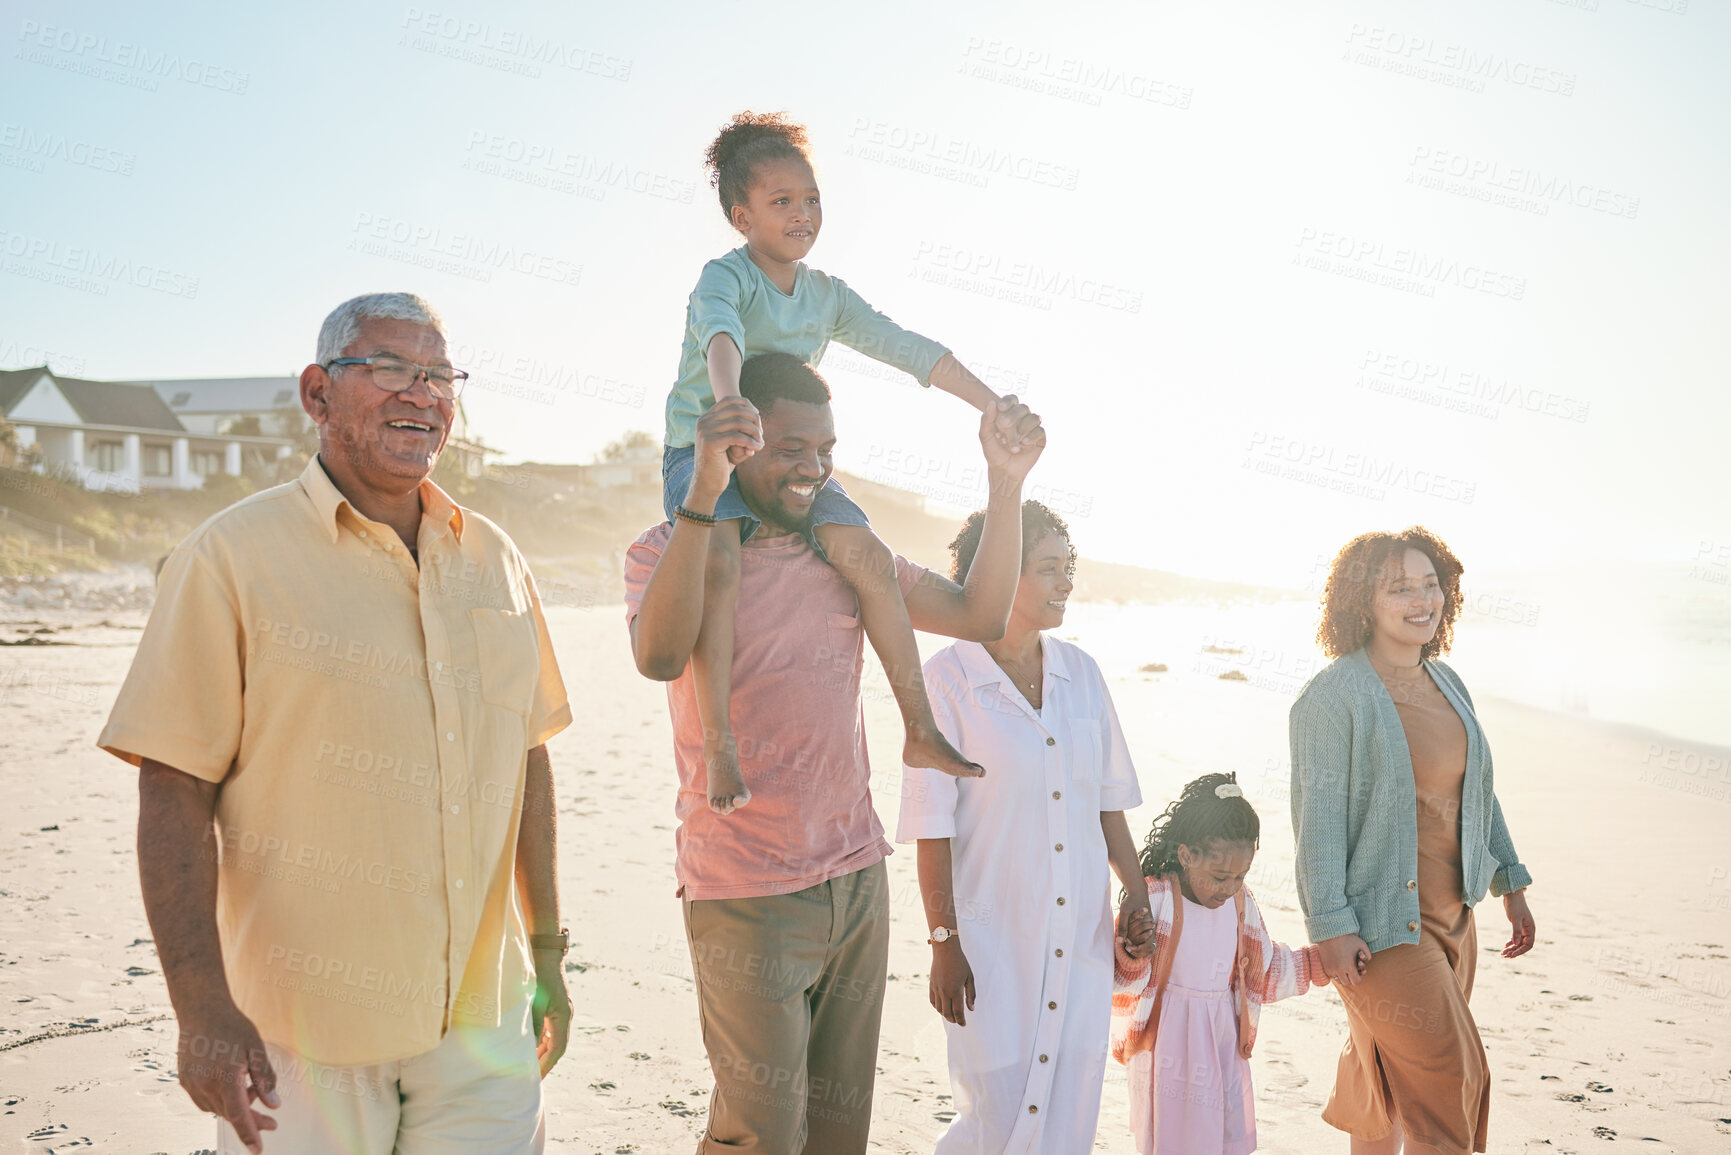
x=1643 y=646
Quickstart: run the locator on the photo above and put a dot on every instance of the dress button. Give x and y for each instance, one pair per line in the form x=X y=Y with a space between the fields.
x=1059 y=952
x=1057 y=794
x=455 y=809
x=450 y=737
x=1051 y=741
x=459 y=884
x=1060 y=902
x=1033 y=1110
x=1059 y=847
x=1051 y=1006
x=438 y=665
x=1412 y=884
x=1043 y=1058
x=1412 y=926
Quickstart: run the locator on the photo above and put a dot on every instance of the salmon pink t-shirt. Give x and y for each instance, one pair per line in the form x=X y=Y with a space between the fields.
x=797 y=658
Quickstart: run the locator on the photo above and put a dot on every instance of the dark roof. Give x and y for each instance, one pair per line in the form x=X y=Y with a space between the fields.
x=14 y=383
x=229 y=394
x=113 y=403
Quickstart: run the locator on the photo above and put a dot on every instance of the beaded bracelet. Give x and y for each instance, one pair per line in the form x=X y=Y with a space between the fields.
x=693 y=517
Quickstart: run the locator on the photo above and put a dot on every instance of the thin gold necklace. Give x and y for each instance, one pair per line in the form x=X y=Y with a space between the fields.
x=1004 y=664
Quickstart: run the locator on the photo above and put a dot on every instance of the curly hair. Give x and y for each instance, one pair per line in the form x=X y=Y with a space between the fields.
x=1361 y=566
x=1037 y=522
x=1199 y=817
x=745 y=142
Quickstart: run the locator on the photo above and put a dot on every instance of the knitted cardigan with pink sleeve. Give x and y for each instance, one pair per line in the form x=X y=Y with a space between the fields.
x=1263 y=971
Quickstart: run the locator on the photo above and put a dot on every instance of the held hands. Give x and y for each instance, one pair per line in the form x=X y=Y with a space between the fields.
x=1011 y=436
x=224 y=1070
x=727 y=434
x=550 y=1013
x=952 y=985
x=1344 y=959
x=1136 y=927
x=1521 y=932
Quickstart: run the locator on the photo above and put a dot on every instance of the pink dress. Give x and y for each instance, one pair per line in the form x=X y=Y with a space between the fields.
x=1202 y=1096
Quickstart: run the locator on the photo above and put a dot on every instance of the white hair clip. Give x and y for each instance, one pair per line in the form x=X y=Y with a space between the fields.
x=1228 y=790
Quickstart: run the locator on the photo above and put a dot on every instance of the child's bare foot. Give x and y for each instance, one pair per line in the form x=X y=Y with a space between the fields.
x=727 y=791
x=931 y=749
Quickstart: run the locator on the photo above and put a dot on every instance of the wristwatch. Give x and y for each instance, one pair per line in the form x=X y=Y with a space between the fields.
x=942 y=934
x=560 y=942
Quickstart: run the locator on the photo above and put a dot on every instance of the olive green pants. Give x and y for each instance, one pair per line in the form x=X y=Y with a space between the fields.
x=790 y=994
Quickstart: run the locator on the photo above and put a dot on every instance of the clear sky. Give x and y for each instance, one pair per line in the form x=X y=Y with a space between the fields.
x=1273 y=273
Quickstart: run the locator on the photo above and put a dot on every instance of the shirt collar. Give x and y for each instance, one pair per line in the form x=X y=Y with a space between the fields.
x=744 y=252
x=983 y=670
x=328 y=500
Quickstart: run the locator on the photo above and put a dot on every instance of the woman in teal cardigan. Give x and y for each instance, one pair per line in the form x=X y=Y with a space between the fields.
x=1399 y=835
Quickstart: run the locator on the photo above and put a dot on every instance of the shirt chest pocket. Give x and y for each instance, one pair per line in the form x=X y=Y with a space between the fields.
x=1084 y=750
x=507 y=655
x=841 y=643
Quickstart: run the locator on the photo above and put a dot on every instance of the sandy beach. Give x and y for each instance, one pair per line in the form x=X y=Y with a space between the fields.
x=1616 y=1028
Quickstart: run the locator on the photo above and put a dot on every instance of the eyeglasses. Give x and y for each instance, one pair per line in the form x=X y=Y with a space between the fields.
x=396 y=375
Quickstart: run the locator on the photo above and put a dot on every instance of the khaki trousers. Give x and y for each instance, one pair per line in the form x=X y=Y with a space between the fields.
x=478 y=1090
x=790 y=995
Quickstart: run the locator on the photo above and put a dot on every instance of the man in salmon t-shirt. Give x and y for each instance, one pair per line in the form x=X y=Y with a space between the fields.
x=785 y=898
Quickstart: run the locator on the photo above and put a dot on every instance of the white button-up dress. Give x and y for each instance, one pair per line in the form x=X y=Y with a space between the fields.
x=1033 y=893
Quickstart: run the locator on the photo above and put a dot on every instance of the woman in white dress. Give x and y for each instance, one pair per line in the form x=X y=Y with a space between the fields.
x=1014 y=866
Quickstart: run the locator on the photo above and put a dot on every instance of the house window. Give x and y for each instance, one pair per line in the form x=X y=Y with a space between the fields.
x=110 y=456
x=158 y=460
x=206 y=464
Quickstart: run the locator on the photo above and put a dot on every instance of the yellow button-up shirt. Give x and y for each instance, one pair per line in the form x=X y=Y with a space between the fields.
x=370 y=723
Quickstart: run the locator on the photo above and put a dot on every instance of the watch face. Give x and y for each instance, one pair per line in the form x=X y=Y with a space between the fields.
x=942 y=934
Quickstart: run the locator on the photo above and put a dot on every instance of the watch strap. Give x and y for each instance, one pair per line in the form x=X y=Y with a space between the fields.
x=560 y=942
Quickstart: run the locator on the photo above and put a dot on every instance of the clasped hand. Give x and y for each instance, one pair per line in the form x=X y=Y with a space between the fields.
x=1136 y=928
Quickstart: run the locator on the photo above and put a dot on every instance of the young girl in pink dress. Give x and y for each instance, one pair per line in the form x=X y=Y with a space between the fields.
x=1192 y=974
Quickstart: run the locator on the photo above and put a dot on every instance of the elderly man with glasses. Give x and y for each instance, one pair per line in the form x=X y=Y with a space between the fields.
x=339 y=712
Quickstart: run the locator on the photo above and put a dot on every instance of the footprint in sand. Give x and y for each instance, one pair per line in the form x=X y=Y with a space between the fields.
x=1600 y=1088
x=1604 y=1133
x=56 y=1133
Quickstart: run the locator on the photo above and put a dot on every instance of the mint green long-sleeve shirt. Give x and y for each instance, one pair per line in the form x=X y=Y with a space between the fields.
x=1355 y=808
x=735 y=297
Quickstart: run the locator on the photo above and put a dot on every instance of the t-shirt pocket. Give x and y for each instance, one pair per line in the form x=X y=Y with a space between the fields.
x=1084 y=750
x=508 y=656
x=835 y=656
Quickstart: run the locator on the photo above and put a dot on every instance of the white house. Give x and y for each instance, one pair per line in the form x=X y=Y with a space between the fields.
x=121 y=435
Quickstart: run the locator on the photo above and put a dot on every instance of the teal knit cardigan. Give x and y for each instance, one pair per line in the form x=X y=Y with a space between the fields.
x=1355 y=808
